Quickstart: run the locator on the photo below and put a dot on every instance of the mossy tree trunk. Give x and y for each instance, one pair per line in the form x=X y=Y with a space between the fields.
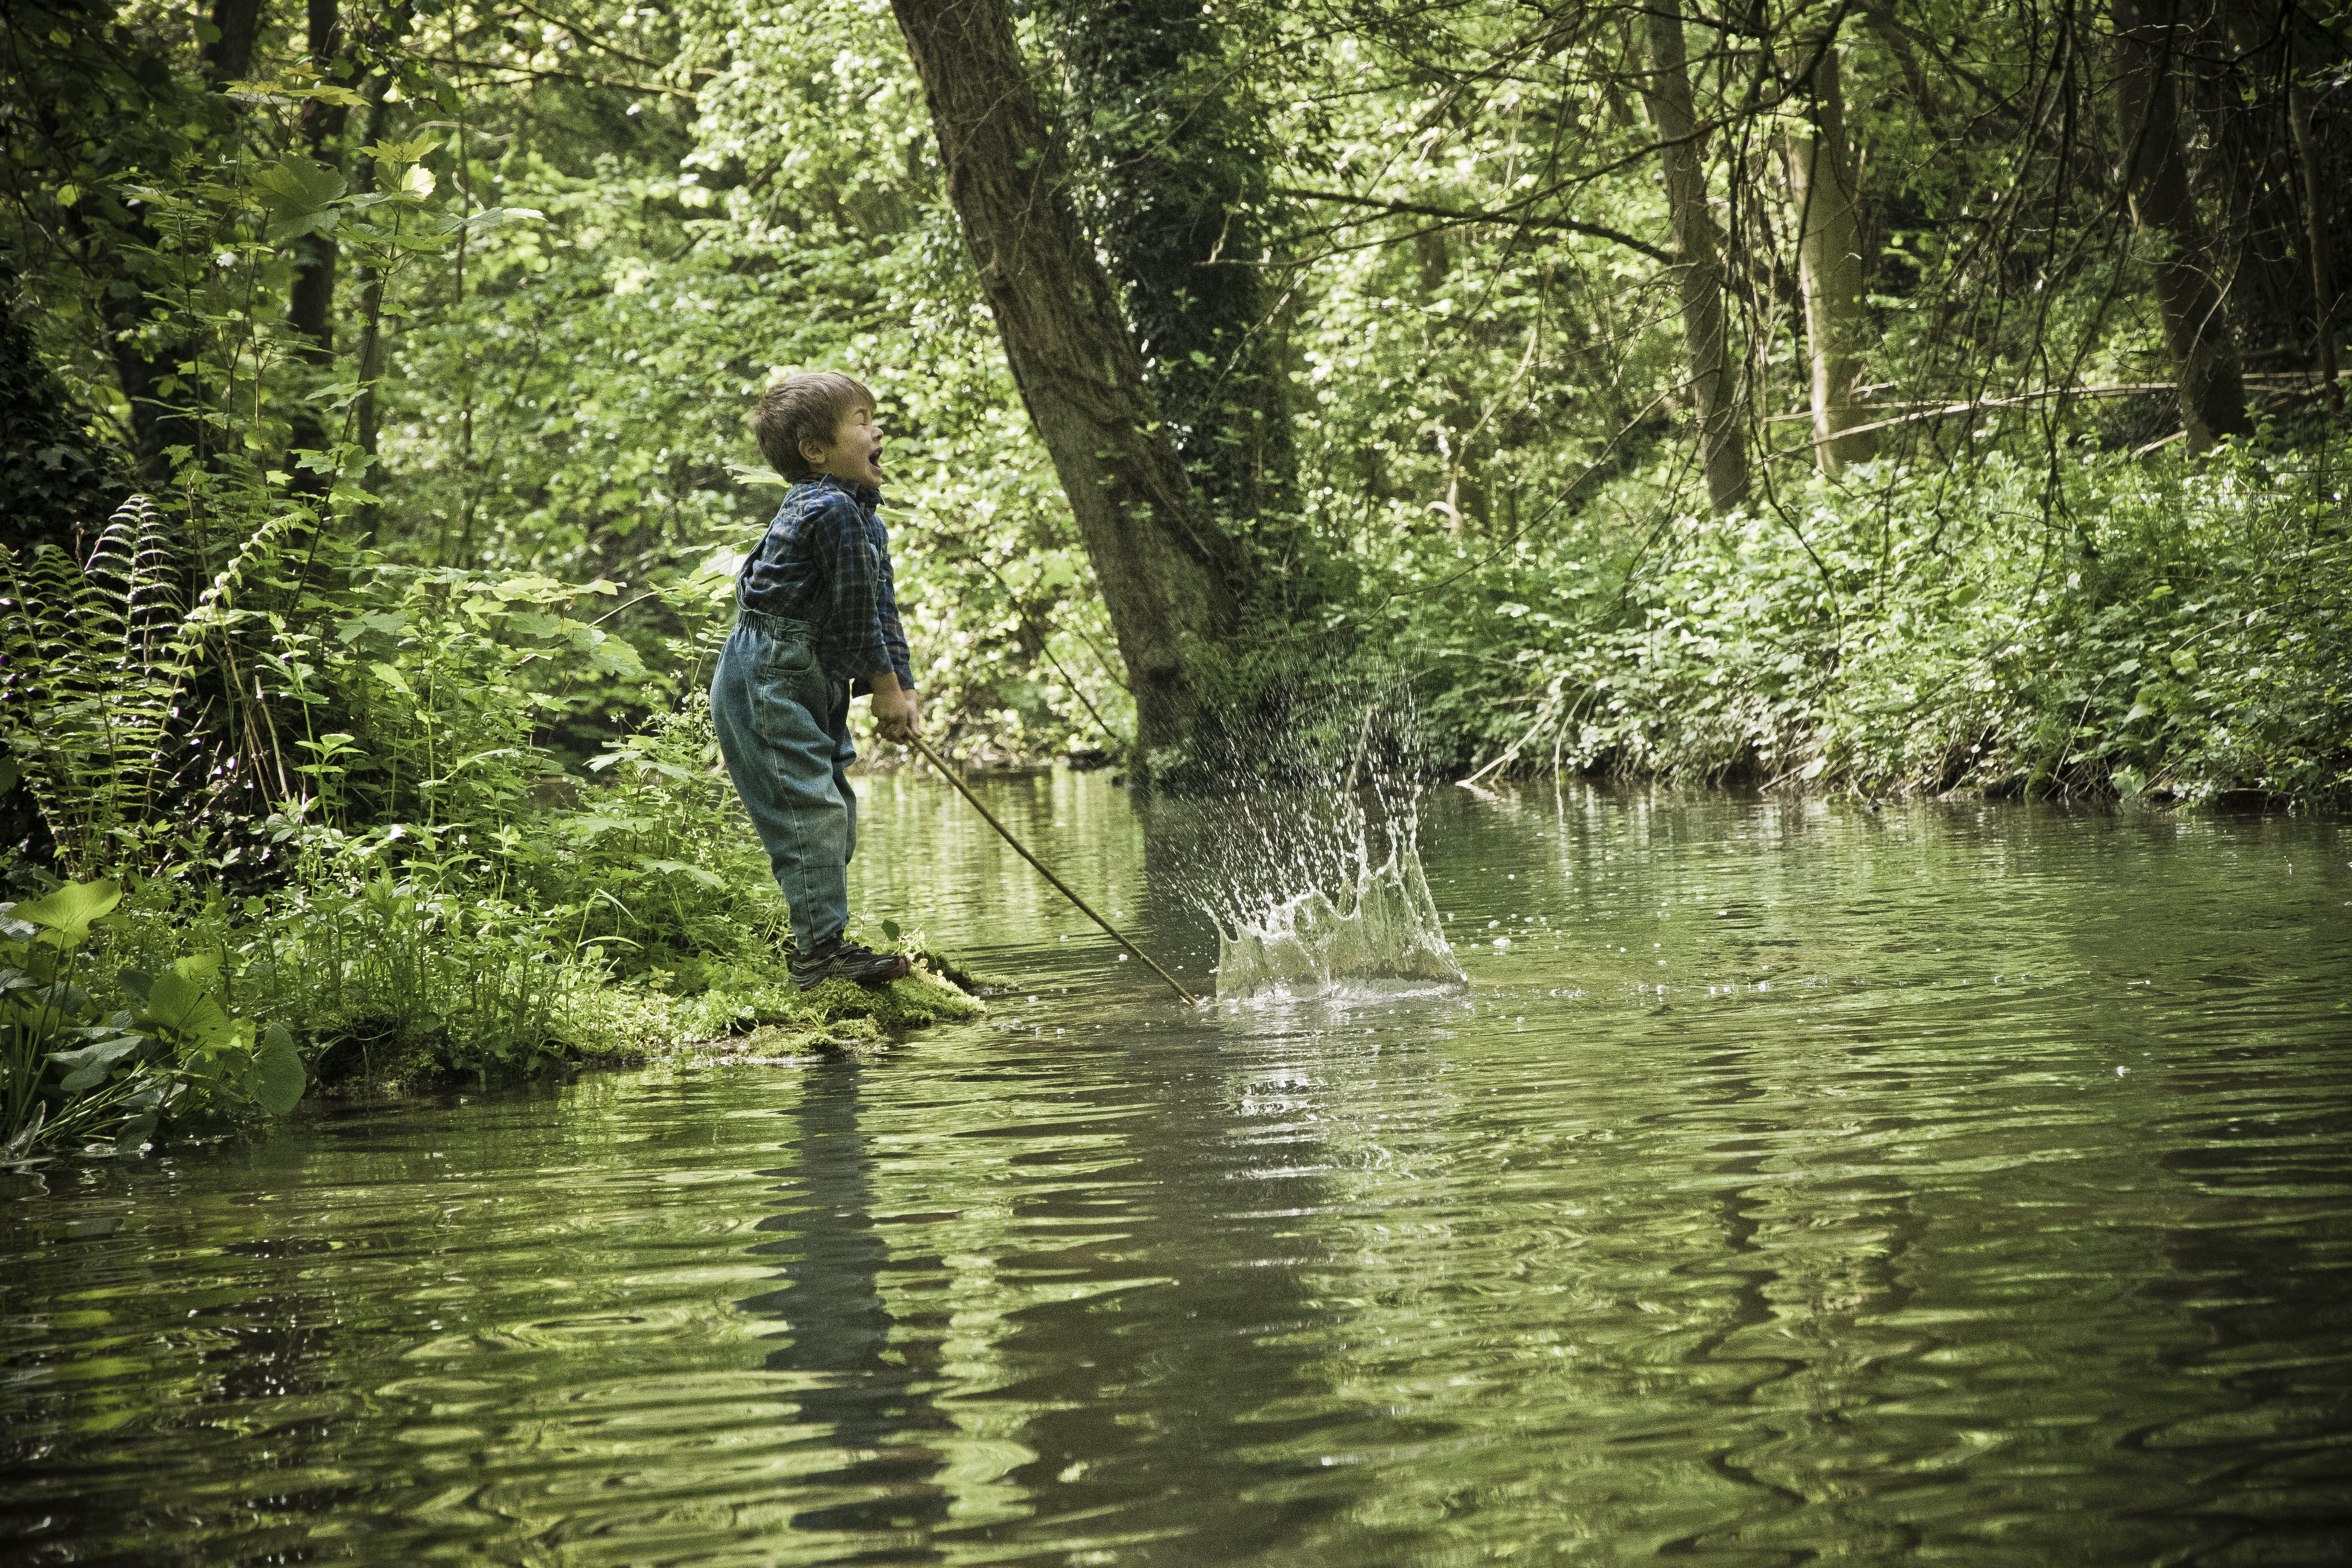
x=1829 y=258
x=1171 y=582
x=1698 y=272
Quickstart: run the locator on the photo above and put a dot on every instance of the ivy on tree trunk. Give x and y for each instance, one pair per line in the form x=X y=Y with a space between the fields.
x=1171 y=582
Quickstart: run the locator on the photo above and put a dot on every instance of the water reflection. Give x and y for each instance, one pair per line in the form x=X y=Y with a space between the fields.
x=859 y=1380
x=1949 y=1185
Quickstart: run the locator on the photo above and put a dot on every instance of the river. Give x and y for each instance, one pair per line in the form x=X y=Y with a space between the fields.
x=1944 y=1184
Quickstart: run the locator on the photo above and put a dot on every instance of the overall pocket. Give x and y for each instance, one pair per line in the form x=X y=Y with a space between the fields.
x=786 y=655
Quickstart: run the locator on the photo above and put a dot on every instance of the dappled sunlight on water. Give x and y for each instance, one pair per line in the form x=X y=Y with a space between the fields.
x=1787 y=1181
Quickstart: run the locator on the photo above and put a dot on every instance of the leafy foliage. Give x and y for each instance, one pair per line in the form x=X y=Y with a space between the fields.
x=381 y=695
x=69 y=1065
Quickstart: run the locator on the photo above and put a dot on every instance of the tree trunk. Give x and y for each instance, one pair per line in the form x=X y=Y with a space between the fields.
x=2314 y=220
x=1829 y=262
x=229 y=57
x=2205 y=362
x=1698 y=275
x=311 y=305
x=366 y=414
x=1170 y=580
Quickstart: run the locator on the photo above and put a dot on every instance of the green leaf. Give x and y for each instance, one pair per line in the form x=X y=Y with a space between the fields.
x=184 y=1007
x=203 y=968
x=406 y=152
x=135 y=1133
x=278 y=1071
x=297 y=185
x=68 y=910
x=89 y=1066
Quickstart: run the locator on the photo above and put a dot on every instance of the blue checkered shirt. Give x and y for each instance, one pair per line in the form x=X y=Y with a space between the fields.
x=825 y=561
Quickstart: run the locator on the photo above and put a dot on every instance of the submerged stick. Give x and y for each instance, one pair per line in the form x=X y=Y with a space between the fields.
x=1006 y=834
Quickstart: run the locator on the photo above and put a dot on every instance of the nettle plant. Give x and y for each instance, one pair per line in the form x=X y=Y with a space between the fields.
x=72 y=1068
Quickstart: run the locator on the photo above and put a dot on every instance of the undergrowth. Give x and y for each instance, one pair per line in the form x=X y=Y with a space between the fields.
x=2179 y=628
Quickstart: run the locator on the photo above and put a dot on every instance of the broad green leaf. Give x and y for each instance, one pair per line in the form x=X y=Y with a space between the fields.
x=68 y=910
x=88 y=1068
x=293 y=225
x=135 y=1133
x=183 y=1006
x=541 y=590
x=278 y=1071
x=503 y=217
x=203 y=968
x=680 y=869
x=406 y=152
x=298 y=185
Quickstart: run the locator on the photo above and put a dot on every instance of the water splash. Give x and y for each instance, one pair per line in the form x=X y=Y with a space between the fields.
x=1316 y=879
x=1386 y=927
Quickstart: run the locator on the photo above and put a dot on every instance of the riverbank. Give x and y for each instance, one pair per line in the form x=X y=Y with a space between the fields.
x=2077 y=623
x=745 y=1015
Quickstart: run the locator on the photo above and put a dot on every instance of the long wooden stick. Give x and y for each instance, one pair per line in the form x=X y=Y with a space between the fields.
x=1006 y=834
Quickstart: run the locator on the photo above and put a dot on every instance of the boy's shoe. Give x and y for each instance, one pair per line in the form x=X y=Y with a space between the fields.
x=842 y=959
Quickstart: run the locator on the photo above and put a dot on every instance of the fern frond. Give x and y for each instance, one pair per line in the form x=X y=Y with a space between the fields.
x=153 y=606
x=259 y=553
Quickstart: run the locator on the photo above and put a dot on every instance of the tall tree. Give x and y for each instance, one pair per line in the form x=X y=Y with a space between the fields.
x=1829 y=253
x=1171 y=581
x=1698 y=268
x=310 y=308
x=2210 y=388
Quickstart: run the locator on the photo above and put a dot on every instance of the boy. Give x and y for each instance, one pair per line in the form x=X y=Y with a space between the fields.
x=816 y=624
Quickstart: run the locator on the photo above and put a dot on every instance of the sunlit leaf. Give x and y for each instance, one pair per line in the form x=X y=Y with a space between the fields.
x=68 y=910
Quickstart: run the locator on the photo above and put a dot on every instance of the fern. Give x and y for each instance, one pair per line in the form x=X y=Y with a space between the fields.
x=99 y=659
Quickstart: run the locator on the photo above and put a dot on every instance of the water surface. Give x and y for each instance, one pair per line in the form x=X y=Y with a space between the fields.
x=1944 y=1184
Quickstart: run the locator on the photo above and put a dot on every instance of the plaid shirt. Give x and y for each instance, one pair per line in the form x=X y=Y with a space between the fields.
x=827 y=561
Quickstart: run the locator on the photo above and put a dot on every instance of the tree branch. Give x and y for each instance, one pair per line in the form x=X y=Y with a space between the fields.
x=1418 y=209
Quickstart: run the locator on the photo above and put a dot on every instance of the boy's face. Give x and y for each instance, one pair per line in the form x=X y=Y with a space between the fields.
x=854 y=454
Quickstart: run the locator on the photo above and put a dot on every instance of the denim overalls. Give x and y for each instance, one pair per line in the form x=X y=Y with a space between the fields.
x=784 y=727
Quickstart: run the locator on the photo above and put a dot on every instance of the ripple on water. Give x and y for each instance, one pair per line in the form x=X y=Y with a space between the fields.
x=1872 y=1263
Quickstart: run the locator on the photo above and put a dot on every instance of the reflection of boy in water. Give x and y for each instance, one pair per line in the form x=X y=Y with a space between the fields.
x=816 y=624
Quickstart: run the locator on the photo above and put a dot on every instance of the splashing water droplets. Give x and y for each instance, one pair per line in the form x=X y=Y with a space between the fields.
x=1319 y=881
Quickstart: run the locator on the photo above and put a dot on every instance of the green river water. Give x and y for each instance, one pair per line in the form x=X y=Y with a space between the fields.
x=1948 y=1185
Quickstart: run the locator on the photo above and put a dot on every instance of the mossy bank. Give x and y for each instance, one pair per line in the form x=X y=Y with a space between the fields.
x=744 y=1016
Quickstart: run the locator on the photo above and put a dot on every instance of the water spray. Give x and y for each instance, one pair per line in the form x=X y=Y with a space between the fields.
x=1006 y=834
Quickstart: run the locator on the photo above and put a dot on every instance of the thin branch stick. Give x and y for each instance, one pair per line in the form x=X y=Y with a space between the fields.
x=1006 y=834
x=1506 y=216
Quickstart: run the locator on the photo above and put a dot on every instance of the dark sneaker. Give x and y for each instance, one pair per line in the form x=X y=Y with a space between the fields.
x=841 y=959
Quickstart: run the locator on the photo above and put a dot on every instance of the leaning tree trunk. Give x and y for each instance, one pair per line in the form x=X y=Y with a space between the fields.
x=1169 y=577
x=1698 y=274
x=2205 y=362
x=1829 y=262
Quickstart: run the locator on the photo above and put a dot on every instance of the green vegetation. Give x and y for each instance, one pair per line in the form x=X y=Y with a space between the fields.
x=1897 y=397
